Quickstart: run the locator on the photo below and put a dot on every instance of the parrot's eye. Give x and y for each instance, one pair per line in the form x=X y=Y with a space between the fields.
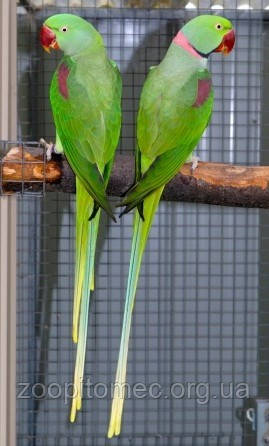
x=218 y=26
x=64 y=29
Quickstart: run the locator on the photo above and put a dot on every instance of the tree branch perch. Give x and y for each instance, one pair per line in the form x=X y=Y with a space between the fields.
x=212 y=183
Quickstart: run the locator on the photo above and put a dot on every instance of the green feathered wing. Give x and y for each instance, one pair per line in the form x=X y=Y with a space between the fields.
x=169 y=126
x=86 y=102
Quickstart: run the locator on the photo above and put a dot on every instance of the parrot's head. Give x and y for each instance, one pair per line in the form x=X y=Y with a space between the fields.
x=209 y=33
x=69 y=33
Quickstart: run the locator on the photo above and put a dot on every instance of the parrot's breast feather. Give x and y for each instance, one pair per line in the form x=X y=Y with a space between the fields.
x=63 y=73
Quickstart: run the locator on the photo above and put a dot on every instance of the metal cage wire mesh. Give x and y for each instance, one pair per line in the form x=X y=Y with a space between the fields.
x=197 y=316
x=14 y=157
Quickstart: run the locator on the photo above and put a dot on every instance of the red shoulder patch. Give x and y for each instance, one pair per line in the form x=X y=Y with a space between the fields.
x=203 y=91
x=63 y=73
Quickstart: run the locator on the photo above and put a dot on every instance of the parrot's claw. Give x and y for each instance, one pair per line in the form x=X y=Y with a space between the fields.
x=194 y=162
x=49 y=147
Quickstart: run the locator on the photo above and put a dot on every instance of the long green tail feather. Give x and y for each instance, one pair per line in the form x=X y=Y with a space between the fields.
x=140 y=235
x=84 y=205
x=86 y=237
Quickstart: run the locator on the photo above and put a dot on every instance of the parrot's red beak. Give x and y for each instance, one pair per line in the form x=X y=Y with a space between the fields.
x=48 y=39
x=227 y=43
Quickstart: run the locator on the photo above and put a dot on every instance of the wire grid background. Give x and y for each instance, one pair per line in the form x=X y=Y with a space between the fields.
x=196 y=317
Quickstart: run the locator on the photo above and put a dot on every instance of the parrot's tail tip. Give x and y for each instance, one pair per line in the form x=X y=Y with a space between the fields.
x=112 y=216
x=112 y=433
x=72 y=418
x=75 y=338
x=74 y=410
x=123 y=213
x=114 y=429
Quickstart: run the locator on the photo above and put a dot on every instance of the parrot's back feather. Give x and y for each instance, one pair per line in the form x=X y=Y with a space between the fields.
x=89 y=176
x=88 y=119
x=162 y=170
x=91 y=115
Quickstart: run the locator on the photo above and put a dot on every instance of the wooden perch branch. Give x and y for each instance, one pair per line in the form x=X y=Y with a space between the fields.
x=212 y=183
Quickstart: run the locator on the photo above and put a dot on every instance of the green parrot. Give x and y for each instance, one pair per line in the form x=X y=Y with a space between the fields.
x=175 y=108
x=85 y=97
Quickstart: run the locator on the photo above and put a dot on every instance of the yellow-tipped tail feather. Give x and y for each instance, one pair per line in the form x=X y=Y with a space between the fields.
x=83 y=202
x=140 y=235
x=86 y=238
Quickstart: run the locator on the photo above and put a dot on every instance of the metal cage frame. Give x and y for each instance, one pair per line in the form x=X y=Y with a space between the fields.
x=8 y=129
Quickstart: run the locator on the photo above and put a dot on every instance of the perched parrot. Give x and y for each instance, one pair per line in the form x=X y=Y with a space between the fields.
x=175 y=108
x=85 y=97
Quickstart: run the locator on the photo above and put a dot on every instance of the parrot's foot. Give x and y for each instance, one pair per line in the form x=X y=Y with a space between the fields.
x=194 y=162
x=49 y=147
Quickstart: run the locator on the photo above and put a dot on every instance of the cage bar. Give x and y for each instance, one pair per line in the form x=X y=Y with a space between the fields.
x=8 y=129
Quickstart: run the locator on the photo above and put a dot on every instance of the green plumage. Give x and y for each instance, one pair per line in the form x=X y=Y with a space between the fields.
x=85 y=96
x=169 y=126
x=175 y=108
x=88 y=121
